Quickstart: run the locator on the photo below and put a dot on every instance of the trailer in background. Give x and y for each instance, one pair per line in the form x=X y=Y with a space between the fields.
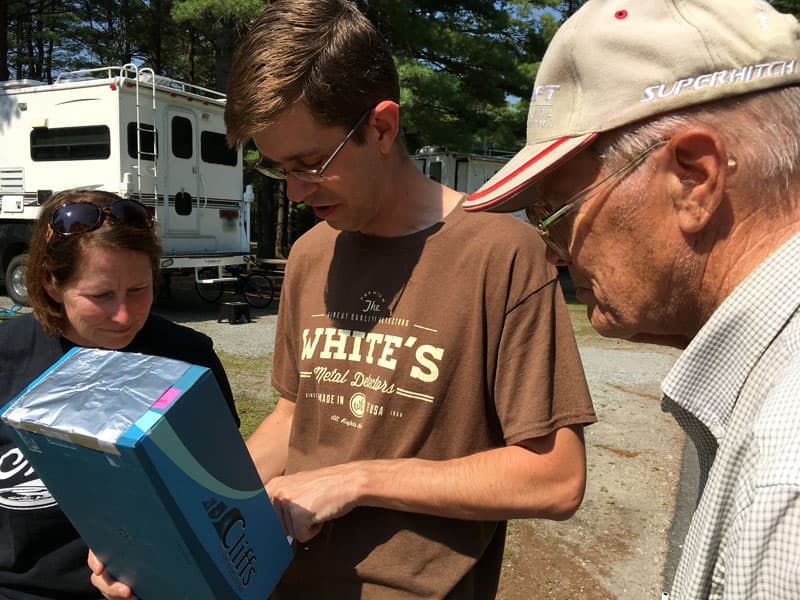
x=126 y=130
x=458 y=170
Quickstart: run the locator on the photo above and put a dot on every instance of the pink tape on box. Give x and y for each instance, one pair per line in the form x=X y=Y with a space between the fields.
x=167 y=398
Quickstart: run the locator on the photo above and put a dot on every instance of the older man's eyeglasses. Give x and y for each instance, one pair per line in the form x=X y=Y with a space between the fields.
x=309 y=175
x=543 y=218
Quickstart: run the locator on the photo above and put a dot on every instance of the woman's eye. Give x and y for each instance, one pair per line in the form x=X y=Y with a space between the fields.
x=102 y=297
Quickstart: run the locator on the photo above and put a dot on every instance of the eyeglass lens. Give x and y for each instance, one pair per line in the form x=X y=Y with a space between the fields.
x=310 y=175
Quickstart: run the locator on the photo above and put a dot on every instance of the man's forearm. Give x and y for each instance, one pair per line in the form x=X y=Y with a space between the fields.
x=498 y=484
x=269 y=443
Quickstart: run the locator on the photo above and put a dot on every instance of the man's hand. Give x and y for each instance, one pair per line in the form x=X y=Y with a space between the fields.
x=110 y=588
x=305 y=501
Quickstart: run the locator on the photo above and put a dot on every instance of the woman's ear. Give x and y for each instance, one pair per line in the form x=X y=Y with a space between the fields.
x=699 y=166
x=52 y=290
x=385 y=118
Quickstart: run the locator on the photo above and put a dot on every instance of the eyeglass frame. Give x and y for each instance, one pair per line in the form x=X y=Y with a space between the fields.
x=310 y=175
x=544 y=224
x=104 y=211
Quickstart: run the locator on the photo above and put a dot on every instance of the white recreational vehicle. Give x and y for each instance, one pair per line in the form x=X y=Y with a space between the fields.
x=128 y=131
x=458 y=170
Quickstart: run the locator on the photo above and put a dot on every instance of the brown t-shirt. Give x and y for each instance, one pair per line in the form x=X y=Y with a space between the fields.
x=437 y=345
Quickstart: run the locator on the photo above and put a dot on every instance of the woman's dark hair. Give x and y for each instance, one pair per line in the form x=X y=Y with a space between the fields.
x=53 y=258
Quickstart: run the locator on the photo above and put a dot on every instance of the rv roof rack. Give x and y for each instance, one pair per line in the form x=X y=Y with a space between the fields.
x=19 y=83
x=132 y=72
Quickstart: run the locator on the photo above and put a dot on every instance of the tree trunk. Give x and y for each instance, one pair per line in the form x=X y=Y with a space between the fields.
x=154 y=36
x=281 y=222
x=225 y=43
x=265 y=216
x=4 y=72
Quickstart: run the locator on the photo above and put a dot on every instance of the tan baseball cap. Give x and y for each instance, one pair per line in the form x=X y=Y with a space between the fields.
x=615 y=62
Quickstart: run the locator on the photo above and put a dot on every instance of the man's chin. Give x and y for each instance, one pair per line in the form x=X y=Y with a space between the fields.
x=605 y=325
x=674 y=341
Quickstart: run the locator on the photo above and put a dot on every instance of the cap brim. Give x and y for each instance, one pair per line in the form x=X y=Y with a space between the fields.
x=502 y=193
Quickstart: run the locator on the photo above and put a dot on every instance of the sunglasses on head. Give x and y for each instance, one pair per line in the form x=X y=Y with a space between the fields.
x=75 y=218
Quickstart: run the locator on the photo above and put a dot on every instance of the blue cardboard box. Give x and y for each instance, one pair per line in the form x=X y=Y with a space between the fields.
x=144 y=457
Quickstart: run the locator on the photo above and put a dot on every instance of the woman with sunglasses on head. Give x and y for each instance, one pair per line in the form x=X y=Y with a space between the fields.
x=92 y=275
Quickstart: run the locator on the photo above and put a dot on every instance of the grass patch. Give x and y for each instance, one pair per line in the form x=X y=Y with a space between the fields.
x=580 y=321
x=250 y=379
x=577 y=310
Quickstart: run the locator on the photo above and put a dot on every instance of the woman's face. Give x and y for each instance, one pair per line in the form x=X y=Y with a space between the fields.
x=109 y=298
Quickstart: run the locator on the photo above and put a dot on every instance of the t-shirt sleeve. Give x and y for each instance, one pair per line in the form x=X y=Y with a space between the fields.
x=540 y=384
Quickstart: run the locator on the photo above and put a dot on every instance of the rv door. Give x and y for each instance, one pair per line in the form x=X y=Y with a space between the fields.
x=183 y=186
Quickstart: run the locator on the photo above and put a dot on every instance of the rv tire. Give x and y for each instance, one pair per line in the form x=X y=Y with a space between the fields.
x=15 y=279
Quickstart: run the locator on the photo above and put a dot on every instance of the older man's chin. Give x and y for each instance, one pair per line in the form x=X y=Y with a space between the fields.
x=610 y=329
x=674 y=341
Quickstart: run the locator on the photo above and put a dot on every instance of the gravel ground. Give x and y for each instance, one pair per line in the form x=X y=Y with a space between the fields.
x=616 y=546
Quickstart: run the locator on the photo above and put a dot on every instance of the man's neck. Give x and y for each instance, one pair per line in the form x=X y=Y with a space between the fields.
x=413 y=202
x=734 y=258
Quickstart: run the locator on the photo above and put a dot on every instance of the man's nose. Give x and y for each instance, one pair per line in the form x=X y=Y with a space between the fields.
x=298 y=190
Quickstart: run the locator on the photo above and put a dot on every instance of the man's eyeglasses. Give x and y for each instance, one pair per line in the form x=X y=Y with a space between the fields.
x=544 y=218
x=309 y=175
x=80 y=217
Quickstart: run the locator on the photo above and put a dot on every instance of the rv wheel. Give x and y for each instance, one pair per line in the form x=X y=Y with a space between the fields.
x=15 y=279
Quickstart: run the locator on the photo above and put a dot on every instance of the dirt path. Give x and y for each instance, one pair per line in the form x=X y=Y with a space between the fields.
x=616 y=545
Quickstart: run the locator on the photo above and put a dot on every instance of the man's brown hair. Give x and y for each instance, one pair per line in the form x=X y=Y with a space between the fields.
x=54 y=258
x=325 y=53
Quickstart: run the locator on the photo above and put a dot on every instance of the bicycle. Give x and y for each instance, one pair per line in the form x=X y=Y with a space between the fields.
x=258 y=289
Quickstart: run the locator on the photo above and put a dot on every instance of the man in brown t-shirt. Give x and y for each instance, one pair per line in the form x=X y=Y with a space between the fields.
x=430 y=382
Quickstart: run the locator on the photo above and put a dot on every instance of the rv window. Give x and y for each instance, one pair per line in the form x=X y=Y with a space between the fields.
x=182 y=137
x=435 y=171
x=148 y=141
x=71 y=143
x=214 y=149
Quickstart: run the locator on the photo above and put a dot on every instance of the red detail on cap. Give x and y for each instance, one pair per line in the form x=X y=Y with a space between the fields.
x=519 y=170
x=621 y=14
x=524 y=167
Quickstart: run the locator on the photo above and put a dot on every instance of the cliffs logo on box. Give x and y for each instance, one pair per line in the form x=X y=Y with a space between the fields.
x=231 y=527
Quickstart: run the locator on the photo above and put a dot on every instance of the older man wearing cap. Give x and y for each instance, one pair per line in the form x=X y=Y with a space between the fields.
x=662 y=168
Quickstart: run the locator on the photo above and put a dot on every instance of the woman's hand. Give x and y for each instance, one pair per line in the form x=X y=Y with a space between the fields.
x=110 y=588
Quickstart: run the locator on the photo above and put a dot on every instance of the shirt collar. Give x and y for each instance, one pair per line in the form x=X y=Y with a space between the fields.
x=708 y=376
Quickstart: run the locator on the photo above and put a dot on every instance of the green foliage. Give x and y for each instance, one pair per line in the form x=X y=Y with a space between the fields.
x=205 y=12
x=189 y=40
x=466 y=67
x=462 y=66
x=787 y=6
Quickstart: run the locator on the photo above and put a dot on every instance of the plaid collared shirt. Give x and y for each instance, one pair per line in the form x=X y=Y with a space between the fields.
x=735 y=390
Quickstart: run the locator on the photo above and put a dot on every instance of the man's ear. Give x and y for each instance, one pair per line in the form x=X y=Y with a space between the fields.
x=699 y=165
x=386 y=120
